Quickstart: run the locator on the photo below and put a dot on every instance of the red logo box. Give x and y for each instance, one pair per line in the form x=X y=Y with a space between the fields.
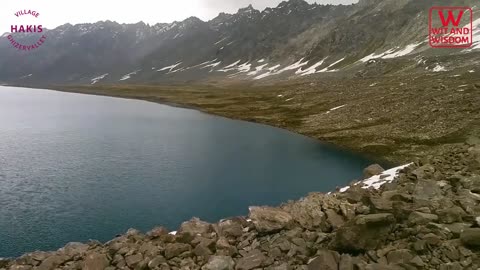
x=450 y=27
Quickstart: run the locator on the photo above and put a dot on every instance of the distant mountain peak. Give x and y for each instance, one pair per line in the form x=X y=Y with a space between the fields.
x=248 y=9
x=293 y=3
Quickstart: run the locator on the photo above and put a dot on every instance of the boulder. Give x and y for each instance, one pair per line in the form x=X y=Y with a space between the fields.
x=219 y=263
x=308 y=212
x=195 y=226
x=451 y=215
x=419 y=218
x=346 y=262
x=474 y=151
x=400 y=256
x=424 y=172
x=21 y=267
x=202 y=250
x=269 y=219
x=52 y=262
x=251 y=260
x=471 y=237
x=96 y=261
x=175 y=249
x=133 y=260
x=230 y=228
x=325 y=260
x=417 y=262
x=224 y=248
x=334 y=219
x=365 y=232
x=372 y=170
x=380 y=266
x=73 y=248
x=157 y=232
x=155 y=262
x=283 y=266
x=456 y=228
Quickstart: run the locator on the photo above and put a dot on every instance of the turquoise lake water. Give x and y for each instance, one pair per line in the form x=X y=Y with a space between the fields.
x=77 y=167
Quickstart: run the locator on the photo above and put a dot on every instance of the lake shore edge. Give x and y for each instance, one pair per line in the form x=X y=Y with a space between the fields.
x=361 y=143
x=415 y=220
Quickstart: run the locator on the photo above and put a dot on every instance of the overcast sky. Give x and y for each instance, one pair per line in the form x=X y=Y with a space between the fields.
x=57 y=12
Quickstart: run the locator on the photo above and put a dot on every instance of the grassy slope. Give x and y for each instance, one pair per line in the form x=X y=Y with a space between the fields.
x=394 y=118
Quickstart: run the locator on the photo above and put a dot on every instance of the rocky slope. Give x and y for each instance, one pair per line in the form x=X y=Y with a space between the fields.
x=294 y=39
x=427 y=218
x=396 y=118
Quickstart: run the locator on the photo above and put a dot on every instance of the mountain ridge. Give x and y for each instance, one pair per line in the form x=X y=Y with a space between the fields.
x=292 y=40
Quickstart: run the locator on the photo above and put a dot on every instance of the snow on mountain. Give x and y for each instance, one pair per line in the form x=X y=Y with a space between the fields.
x=99 y=78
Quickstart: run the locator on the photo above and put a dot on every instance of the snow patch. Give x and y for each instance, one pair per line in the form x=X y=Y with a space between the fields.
x=213 y=65
x=377 y=181
x=475 y=34
x=274 y=67
x=257 y=70
x=392 y=53
x=234 y=64
x=327 y=69
x=129 y=75
x=99 y=78
x=439 y=68
x=202 y=64
x=407 y=50
x=336 y=108
x=170 y=68
x=311 y=70
x=387 y=176
x=296 y=65
x=220 y=41
x=26 y=76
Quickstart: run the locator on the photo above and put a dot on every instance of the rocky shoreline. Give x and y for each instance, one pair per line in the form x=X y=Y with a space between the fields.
x=427 y=218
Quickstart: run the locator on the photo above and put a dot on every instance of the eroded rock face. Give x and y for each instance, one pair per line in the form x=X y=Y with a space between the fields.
x=428 y=218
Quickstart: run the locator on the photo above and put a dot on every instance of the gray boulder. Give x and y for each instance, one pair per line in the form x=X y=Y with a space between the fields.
x=399 y=256
x=251 y=260
x=451 y=215
x=175 y=249
x=372 y=170
x=230 y=228
x=471 y=237
x=52 y=262
x=133 y=260
x=419 y=218
x=219 y=263
x=195 y=226
x=96 y=261
x=365 y=232
x=269 y=219
x=326 y=260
